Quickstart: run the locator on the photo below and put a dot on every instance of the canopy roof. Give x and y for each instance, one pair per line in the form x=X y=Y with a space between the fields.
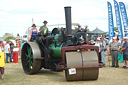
x=97 y=31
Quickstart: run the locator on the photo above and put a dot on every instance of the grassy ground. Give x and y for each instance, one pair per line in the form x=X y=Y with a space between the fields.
x=14 y=75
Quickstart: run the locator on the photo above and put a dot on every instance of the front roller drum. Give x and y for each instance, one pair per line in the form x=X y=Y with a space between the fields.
x=81 y=59
x=29 y=55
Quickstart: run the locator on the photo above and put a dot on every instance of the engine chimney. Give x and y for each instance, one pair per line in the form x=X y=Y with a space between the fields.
x=68 y=20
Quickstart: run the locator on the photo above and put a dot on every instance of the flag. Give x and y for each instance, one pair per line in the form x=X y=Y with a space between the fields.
x=110 y=21
x=124 y=17
x=118 y=20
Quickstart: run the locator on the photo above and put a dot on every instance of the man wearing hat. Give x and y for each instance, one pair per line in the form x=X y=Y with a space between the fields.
x=43 y=29
x=103 y=46
x=125 y=51
x=99 y=45
x=114 y=47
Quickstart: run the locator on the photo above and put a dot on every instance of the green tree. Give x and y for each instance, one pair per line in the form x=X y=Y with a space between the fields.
x=115 y=28
x=8 y=38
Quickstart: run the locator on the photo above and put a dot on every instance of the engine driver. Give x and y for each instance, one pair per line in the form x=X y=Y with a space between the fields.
x=43 y=29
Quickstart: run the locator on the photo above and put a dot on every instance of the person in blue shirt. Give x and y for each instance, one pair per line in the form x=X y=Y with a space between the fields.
x=22 y=44
x=33 y=33
x=125 y=51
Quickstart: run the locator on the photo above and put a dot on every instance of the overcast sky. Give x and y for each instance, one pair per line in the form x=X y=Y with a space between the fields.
x=16 y=15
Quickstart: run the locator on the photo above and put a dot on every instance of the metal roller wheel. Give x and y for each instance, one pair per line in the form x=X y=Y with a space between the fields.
x=82 y=59
x=90 y=59
x=73 y=59
x=30 y=52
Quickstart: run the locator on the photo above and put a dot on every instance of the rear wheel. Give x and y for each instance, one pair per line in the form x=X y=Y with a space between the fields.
x=30 y=52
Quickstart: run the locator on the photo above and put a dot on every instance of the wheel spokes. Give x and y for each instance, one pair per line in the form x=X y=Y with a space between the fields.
x=29 y=58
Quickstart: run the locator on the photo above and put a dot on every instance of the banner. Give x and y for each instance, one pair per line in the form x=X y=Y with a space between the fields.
x=124 y=17
x=118 y=20
x=110 y=21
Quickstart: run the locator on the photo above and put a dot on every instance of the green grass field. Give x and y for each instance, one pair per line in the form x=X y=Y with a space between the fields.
x=14 y=75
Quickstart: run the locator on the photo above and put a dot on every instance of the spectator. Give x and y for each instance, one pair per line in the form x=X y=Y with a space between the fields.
x=22 y=44
x=125 y=51
x=19 y=44
x=11 y=47
x=103 y=46
x=99 y=45
x=1 y=61
x=92 y=42
x=1 y=47
x=8 y=52
x=4 y=43
x=114 y=47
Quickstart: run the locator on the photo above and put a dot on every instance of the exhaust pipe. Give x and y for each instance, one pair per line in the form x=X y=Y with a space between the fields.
x=68 y=20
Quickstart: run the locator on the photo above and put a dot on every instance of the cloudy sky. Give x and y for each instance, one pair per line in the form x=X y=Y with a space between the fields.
x=16 y=15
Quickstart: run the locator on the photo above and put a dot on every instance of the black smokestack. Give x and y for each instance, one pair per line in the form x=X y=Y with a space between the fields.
x=68 y=19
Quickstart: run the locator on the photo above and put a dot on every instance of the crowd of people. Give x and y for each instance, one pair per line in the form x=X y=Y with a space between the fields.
x=8 y=48
x=102 y=48
x=118 y=50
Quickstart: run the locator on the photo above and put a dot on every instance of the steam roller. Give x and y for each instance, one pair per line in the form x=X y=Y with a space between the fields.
x=62 y=49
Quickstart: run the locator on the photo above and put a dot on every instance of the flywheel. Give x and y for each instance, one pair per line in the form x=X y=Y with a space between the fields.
x=30 y=52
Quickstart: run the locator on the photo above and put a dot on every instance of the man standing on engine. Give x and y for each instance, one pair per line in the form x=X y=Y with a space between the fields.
x=43 y=29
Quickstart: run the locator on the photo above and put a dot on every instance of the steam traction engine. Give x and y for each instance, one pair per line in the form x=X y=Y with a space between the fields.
x=62 y=50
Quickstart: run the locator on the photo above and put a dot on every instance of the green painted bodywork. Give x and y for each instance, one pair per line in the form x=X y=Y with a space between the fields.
x=56 y=47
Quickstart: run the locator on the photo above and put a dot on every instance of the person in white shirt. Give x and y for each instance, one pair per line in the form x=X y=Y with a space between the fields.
x=103 y=46
x=8 y=52
x=99 y=45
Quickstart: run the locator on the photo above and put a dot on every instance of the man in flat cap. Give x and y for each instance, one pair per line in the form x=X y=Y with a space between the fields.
x=114 y=48
x=43 y=29
x=125 y=51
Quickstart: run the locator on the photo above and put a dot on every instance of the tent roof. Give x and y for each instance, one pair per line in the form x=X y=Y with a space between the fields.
x=97 y=31
x=18 y=38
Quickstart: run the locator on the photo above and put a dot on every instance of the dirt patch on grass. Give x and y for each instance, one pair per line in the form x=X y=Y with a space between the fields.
x=14 y=75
